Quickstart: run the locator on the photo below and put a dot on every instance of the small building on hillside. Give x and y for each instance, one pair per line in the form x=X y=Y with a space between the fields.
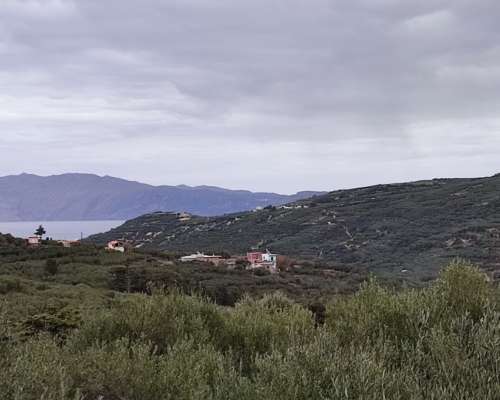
x=69 y=243
x=216 y=260
x=184 y=216
x=265 y=260
x=34 y=241
x=254 y=257
x=118 y=245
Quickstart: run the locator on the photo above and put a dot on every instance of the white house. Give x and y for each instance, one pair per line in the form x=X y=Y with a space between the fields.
x=270 y=258
x=202 y=257
x=117 y=245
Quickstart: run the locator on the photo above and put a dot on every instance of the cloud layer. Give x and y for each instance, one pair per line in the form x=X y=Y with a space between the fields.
x=264 y=94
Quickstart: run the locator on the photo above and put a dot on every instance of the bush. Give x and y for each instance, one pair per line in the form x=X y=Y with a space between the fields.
x=462 y=289
x=375 y=313
x=256 y=327
x=51 y=267
x=162 y=319
x=9 y=284
x=137 y=371
x=59 y=325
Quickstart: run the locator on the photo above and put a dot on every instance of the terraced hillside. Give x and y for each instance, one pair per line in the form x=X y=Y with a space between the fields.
x=410 y=229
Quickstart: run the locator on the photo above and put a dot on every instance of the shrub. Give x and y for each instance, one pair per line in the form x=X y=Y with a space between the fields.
x=462 y=289
x=375 y=312
x=322 y=370
x=369 y=314
x=186 y=371
x=161 y=319
x=38 y=372
x=60 y=324
x=256 y=327
x=9 y=284
x=51 y=267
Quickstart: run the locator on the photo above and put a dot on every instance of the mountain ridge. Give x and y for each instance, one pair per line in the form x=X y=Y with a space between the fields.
x=81 y=196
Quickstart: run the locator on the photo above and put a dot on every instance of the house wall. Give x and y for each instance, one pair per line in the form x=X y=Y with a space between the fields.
x=254 y=258
x=269 y=257
x=33 y=241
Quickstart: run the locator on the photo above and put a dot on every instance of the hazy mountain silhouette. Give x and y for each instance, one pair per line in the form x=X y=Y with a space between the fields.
x=29 y=197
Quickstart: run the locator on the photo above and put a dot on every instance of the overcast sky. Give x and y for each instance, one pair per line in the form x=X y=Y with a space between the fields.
x=257 y=94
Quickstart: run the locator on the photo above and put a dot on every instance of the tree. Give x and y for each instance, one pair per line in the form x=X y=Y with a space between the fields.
x=40 y=231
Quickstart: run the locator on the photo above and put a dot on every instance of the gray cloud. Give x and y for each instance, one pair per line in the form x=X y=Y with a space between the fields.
x=263 y=94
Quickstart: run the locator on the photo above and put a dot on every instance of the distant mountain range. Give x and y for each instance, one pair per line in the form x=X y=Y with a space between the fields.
x=410 y=229
x=71 y=197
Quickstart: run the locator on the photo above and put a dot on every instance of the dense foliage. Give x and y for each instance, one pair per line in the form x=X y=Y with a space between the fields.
x=441 y=342
x=82 y=323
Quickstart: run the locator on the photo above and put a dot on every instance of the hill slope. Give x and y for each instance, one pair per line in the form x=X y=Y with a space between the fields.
x=416 y=227
x=90 y=197
x=8 y=242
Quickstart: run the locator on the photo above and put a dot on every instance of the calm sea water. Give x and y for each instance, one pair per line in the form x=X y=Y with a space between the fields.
x=69 y=230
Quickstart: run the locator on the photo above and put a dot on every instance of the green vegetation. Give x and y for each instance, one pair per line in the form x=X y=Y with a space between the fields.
x=441 y=342
x=51 y=266
x=8 y=242
x=407 y=230
x=50 y=282
x=85 y=324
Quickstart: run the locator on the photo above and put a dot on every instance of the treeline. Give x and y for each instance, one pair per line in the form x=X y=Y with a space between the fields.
x=441 y=342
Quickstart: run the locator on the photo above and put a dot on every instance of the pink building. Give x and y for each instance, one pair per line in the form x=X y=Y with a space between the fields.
x=34 y=241
x=254 y=258
x=263 y=260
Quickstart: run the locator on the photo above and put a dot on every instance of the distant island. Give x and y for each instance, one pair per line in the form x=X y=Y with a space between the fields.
x=82 y=197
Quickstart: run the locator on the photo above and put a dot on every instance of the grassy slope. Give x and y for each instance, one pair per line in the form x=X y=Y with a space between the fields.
x=388 y=228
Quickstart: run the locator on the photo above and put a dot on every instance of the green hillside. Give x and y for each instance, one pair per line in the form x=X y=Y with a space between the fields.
x=9 y=242
x=408 y=229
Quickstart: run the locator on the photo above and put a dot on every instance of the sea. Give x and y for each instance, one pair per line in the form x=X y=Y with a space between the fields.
x=59 y=230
